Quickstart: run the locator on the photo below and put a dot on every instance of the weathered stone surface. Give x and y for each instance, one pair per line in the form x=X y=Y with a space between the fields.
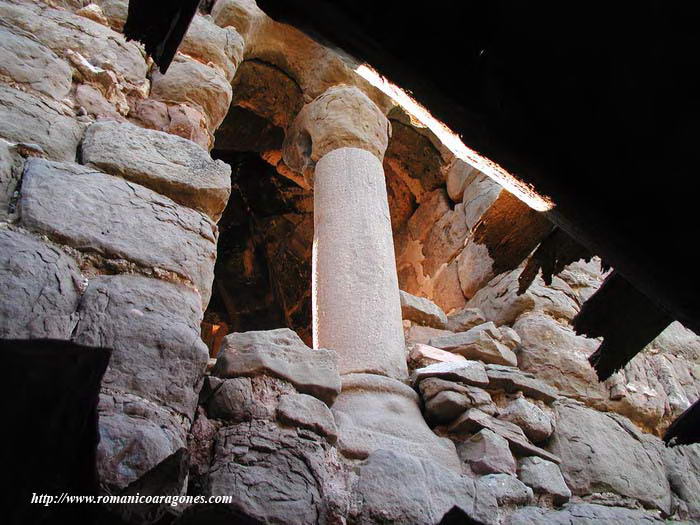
x=135 y=436
x=401 y=489
x=40 y=288
x=465 y=319
x=508 y=490
x=376 y=412
x=191 y=82
x=481 y=342
x=514 y=380
x=27 y=118
x=33 y=65
x=477 y=397
x=445 y=288
x=445 y=240
x=422 y=311
x=534 y=421
x=153 y=329
x=304 y=411
x=182 y=120
x=445 y=406
x=459 y=176
x=243 y=398
x=115 y=11
x=683 y=472
x=9 y=177
x=544 y=478
x=604 y=452
x=170 y=165
x=241 y=14
x=342 y=117
x=432 y=207
x=510 y=337
x=277 y=475
x=474 y=420
x=61 y=30
x=468 y=372
x=118 y=219
x=210 y=44
x=479 y=195
x=280 y=353
x=581 y=513
x=421 y=355
x=487 y=453
x=200 y=444
x=651 y=390
x=501 y=304
x=422 y=334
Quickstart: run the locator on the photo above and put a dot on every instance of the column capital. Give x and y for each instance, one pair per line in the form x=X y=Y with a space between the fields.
x=342 y=117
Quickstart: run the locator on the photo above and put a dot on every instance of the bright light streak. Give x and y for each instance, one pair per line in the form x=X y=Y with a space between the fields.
x=452 y=141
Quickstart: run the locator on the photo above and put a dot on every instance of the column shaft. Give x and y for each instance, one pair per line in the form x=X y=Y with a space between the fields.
x=356 y=306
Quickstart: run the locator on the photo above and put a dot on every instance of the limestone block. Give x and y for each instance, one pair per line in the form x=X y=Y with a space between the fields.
x=446 y=289
x=534 y=421
x=459 y=176
x=487 y=453
x=510 y=337
x=422 y=311
x=115 y=11
x=683 y=472
x=445 y=240
x=303 y=411
x=169 y=165
x=191 y=82
x=421 y=355
x=153 y=329
x=465 y=319
x=27 y=118
x=62 y=30
x=544 y=478
x=27 y=62
x=474 y=420
x=182 y=120
x=500 y=302
x=243 y=398
x=342 y=117
x=604 y=452
x=221 y=47
x=40 y=288
x=476 y=397
x=280 y=353
x=10 y=169
x=513 y=380
x=374 y=412
x=433 y=206
x=244 y=15
x=468 y=372
x=508 y=490
x=118 y=219
x=422 y=334
x=135 y=436
x=446 y=406
x=481 y=343
x=478 y=196
x=280 y=475
x=396 y=488
x=588 y=513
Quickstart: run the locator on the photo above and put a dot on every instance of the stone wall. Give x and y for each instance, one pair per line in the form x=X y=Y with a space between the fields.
x=110 y=202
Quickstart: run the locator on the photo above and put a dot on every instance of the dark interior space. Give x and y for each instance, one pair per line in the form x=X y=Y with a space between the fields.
x=596 y=105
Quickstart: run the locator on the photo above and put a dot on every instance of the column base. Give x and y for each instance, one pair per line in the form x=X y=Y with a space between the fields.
x=376 y=412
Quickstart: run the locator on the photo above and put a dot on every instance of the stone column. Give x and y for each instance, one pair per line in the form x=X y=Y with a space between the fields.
x=338 y=142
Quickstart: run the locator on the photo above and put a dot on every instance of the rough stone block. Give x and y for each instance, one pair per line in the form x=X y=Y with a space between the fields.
x=153 y=329
x=40 y=288
x=28 y=118
x=487 y=453
x=422 y=311
x=303 y=411
x=481 y=343
x=468 y=372
x=280 y=353
x=514 y=380
x=170 y=165
x=544 y=478
x=534 y=421
x=118 y=219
